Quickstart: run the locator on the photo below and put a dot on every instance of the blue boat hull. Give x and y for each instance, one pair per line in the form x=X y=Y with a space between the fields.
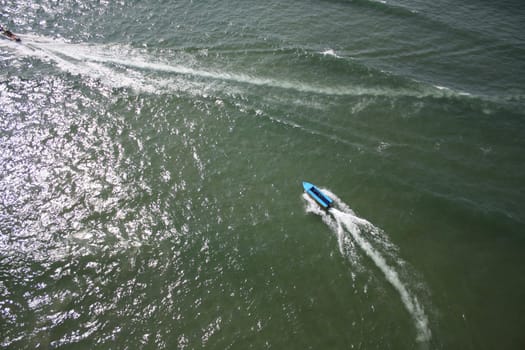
x=317 y=195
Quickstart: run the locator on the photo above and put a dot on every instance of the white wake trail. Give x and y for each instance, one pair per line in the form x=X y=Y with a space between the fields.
x=352 y=223
x=123 y=66
x=350 y=231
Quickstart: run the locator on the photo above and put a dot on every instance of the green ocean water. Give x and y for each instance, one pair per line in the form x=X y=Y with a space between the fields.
x=152 y=155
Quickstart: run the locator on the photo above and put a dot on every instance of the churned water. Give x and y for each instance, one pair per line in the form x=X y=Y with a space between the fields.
x=152 y=155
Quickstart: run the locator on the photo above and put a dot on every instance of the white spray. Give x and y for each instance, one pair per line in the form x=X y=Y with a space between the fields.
x=345 y=222
x=121 y=66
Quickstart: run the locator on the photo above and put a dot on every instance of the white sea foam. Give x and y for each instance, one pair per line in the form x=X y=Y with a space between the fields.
x=121 y=66
x=330 y=52
x=351 y=232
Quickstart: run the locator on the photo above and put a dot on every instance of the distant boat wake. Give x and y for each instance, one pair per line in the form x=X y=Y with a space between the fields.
x=352 y=232
x=121 y=66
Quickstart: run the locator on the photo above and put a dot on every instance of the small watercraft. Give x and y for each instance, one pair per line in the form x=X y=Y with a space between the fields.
x=317 y=195
x=9 y=35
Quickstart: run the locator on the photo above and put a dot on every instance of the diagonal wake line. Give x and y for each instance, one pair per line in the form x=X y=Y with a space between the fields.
x=346 y=225
x=409 y=301
x=75 y=57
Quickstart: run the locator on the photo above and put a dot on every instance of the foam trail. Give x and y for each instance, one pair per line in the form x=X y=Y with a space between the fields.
x=346 y=221
x=99 y=61
x=123 y=57
x=88 y=54
x=411 y=303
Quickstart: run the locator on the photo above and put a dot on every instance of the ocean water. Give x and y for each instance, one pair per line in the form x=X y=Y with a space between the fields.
x=152 y=154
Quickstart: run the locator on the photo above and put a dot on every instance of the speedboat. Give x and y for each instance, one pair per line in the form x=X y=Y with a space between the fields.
x=317 y=195
x=9 y=35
